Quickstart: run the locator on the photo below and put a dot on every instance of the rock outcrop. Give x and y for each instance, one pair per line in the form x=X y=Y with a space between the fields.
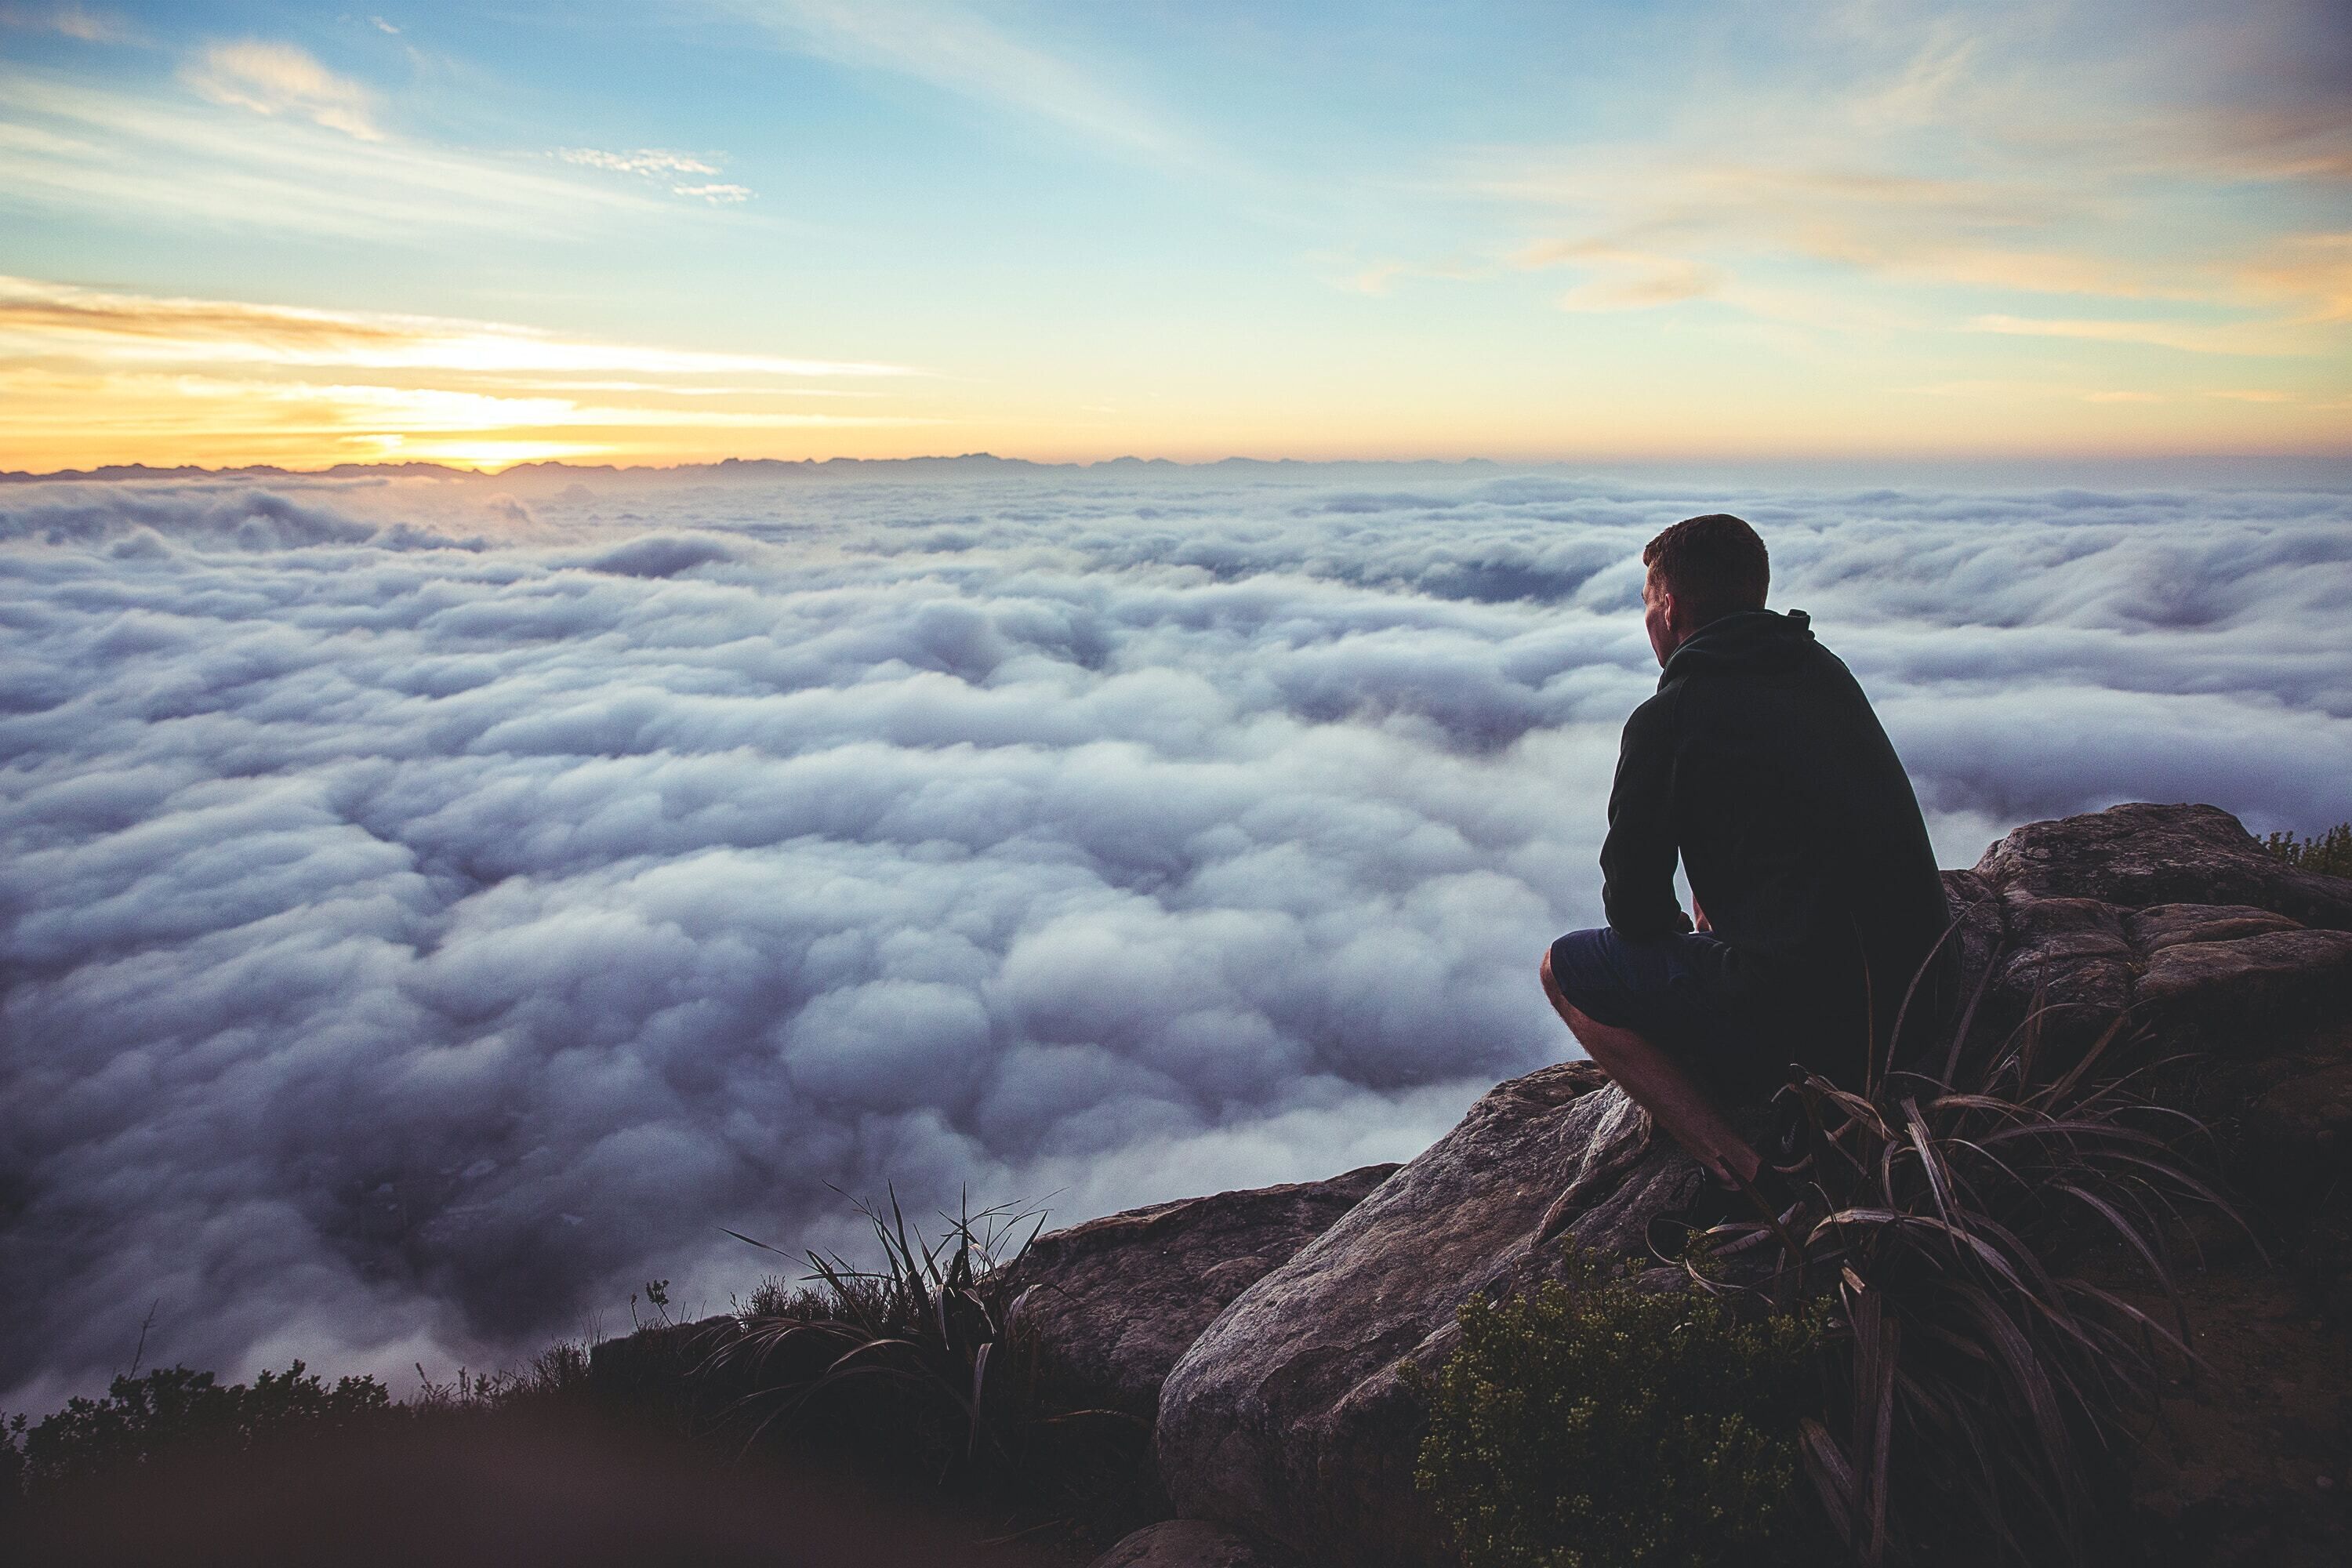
x=1111 y=1304
x=2140 y=856
x=2173 y=915
x=1264 y=1331
x=1288 y=1415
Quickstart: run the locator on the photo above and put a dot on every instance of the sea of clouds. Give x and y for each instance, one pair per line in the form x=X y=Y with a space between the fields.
x=432 y=908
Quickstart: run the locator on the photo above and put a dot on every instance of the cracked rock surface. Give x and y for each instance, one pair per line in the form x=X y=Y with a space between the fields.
x=1111 y=1304
x=2174 y=916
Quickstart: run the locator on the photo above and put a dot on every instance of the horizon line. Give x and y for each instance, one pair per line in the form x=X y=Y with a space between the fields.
x=139 y=470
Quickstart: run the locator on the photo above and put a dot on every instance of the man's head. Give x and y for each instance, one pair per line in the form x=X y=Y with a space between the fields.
x=1701 y=568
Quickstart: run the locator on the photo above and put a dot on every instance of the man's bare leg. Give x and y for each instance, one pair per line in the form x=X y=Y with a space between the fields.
x=1659 y=1085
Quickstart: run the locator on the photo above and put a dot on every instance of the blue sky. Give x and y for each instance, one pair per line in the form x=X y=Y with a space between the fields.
x=1372 y=230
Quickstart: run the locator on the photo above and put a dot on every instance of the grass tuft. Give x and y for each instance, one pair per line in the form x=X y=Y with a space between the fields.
x=1982 y=1230
x=909 y=1367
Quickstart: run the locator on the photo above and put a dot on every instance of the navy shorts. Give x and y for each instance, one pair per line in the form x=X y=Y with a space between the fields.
x=1668 y=990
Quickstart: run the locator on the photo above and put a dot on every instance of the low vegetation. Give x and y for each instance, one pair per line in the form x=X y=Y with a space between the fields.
x=1995 y=1387
x=901 y=1374
x=1982 y=1252
x=145 y=1420
x=150 y=1420
x=2329 y=854
x=1993 y=1228
x=912 y=1366
x=1600 y=1424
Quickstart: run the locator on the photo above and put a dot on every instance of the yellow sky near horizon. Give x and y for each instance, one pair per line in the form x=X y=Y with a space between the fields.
x=91 y=377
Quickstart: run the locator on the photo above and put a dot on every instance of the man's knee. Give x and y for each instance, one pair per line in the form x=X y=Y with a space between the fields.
x=1597 y=1039
x=1570 y=1014
x=1571 y=967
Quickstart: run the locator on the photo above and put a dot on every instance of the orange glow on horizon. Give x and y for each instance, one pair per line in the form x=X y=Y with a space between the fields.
x=91 y=379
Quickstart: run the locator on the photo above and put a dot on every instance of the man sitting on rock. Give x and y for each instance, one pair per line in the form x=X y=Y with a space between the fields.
x=1815 y=893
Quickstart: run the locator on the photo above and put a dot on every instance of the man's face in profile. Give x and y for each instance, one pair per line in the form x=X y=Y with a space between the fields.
x=1657 y=617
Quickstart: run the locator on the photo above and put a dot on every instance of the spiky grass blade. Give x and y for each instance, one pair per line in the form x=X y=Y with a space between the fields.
x=1992 y=1386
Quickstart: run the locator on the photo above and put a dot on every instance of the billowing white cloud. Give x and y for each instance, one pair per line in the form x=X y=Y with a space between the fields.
x=429 y=908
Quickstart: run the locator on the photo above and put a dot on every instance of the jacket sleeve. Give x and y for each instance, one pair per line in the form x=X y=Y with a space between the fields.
x=1637 y=858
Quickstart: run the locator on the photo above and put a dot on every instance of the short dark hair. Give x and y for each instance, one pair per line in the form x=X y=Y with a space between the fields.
x=1713 y=565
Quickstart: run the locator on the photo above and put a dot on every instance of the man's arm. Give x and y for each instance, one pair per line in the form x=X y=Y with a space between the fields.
x=1637 y=858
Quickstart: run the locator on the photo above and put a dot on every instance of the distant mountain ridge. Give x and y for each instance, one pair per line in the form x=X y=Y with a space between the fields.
x=725 y=467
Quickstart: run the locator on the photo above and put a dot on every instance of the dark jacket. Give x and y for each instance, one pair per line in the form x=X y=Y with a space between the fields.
x=1760 y=762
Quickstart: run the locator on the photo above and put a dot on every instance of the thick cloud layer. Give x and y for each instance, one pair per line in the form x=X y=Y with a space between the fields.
x=433 y=908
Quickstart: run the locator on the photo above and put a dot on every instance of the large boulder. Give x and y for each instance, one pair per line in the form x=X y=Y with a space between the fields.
x=1290 y=1415
x=2139 y=855
x=2172 y=917
x=1111 y=1304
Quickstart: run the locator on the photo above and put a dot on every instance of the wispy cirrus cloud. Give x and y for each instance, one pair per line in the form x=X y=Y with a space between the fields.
x=951 y=47
x=2312 y=272
x=388 y=416
x=1949 y=157
x=90 y=371
x=665 y=168
x=2259 y=92
x=2016 y=390
x=1621 y=279
x=272 y=79
x=67 y=144
x=36 y=314
x=1952 y=229
x=1380 y=278
x=68 y=20
x=2255 y=338
x=644 y=160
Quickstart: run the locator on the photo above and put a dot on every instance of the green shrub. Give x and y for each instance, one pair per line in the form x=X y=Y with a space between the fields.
x=1600 y=1426
x=12 y=1463
x=556 y=1375
x=171 y=1412
x=175 y=1410
x=2330 y=854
